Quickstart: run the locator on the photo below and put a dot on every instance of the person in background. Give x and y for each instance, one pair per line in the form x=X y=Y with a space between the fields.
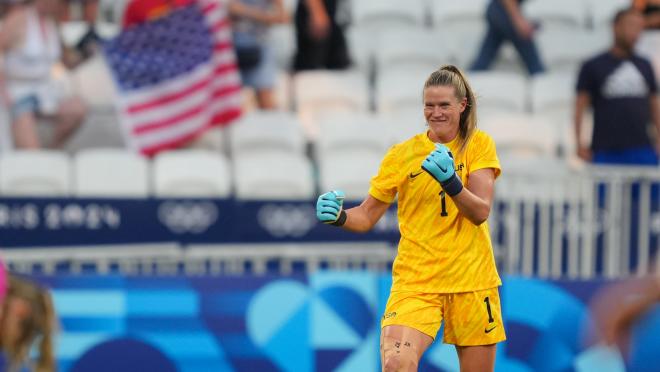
x=138 y=11
x=27 y=317
x=30 y=48
x=88 y=44
x=256 y=58
x=320 y=39
x=622 y=89
x=649 y=43
x=506 y=22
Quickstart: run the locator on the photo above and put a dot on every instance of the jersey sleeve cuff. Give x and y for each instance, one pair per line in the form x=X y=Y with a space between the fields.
x=491 y=164
x=385 y=198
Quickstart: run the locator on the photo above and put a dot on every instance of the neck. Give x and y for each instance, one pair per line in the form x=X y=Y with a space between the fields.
x=442 y=139
x=620 y=51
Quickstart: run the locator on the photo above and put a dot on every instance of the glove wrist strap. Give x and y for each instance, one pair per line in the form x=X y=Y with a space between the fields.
x=453 y=185
x=341 y=220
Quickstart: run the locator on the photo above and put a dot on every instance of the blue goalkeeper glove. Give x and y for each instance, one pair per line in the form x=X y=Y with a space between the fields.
x=329 y=208
x=440 y=165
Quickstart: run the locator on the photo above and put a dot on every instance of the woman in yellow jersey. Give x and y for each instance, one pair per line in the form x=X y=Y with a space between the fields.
x=445 y=268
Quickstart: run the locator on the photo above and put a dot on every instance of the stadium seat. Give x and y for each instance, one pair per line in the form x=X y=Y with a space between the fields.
x=266 y=131
x=465 y=25
x=400 y=90
x=409 y=49
x=565 y=50
x=383 y=14
x=35 y=173
x=558 y=14
x=602 y=11
x=362 y=45
x=499 y=91
x=320 y=92
x=404 y=124
x=282 y=39
x=191 y=173
x=520 y=135
x=340 y=170
x=553 y=94
x=111 y=173
x=351 y=131
x=273 y=176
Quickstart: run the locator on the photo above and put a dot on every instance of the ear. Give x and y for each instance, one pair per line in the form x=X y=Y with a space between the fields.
x=463 y=104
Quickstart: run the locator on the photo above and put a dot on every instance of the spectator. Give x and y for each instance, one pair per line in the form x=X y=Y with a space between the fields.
x=30 y=45
x=649 y=43
x=27 y=316
x=621 y=88
x=256 y=59
x=88 y=44
x=320 y=39
x=507 y=23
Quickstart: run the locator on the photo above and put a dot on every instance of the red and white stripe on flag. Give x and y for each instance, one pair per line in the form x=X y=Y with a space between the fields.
x=175 y=112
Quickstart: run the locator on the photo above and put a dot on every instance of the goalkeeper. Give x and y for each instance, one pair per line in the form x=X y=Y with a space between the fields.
x=445 y=268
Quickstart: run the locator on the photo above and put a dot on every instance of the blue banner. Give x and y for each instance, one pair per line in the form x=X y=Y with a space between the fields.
x=77 y=221
x=328 y=321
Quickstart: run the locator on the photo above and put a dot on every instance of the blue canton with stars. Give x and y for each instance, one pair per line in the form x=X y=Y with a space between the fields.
x=160 y=50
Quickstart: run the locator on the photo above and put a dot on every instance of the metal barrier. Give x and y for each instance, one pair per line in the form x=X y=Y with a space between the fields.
x=593 y=222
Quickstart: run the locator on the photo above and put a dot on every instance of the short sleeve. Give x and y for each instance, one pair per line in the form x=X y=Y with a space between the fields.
x=484 y=155
x=384 y=184
x=585 y=81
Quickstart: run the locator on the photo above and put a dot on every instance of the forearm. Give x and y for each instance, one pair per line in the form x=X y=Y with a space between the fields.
x=472 y=206
x=655 y=113
x=512 y=8
x=357 y=220
x=315 y=6
x=581 y=103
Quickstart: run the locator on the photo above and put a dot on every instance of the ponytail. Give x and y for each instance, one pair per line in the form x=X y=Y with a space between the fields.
x=450 y=75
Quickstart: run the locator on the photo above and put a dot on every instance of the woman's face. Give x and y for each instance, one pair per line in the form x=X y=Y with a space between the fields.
x=442 y=111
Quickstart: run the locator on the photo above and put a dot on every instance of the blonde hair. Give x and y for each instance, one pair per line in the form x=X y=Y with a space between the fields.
x=40 y=325
x=450 y=75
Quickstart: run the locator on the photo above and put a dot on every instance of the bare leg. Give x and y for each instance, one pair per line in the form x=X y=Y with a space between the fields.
x=69 y=117
x=25 y=133
x=477 y=358
x=402 y=347
x=266 y=99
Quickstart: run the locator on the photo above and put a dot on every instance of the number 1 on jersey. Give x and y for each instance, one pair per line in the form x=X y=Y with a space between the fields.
x=443 y=204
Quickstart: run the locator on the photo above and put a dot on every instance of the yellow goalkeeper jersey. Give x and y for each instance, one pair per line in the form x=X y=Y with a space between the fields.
x=440 y=250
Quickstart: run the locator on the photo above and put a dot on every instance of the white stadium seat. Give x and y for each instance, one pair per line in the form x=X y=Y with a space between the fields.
x=404 y=124
x=565 y=50
x=35 y=173
x=111 y=173
x=6 y=138
x=602 y=11
x=411 y=48
x=350 y=131
x=553 y=93
x=499 y=91
x=275 y=176
x=266 y=131
x=464 y=24
x=400 y=90
x=340 y=170
x=558 y=14
x=521 y=135
x=191 y=173
x=319 y=92
x=382 y=14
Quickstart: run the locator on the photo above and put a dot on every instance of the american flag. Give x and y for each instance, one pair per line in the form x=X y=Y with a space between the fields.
x=176 y=76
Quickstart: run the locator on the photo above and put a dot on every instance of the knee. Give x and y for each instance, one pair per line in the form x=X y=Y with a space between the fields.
x=75 y=110
x=399 y=360
x=391 y=363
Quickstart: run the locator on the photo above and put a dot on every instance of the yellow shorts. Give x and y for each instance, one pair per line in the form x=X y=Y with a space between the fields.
x=471 y=318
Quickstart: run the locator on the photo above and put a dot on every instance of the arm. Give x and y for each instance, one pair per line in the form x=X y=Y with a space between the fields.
x=10 y=30
x=319 y=21
x=655 y=118
x=475 y=199
x=524 y=28
x=363 y=217
x=582 y=101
